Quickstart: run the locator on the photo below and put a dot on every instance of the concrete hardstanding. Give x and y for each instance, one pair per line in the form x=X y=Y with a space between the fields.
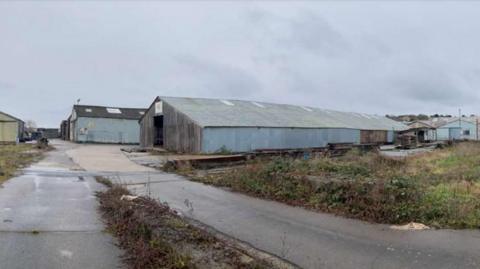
x=50 y=221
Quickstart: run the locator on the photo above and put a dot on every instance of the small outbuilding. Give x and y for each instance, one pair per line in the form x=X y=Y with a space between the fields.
x=99 y=124
x=11 y=129
x=200 y=125
x=50 y=133
x=422 y=130
x=457 y=128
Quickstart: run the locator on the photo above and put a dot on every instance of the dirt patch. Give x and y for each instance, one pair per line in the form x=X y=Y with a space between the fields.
x=154 y=236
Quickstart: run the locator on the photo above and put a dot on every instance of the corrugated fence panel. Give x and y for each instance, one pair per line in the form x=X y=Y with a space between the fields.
x=246 y=139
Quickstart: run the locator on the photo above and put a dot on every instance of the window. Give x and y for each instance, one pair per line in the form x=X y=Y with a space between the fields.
x=466 y=132
x=141 y=113
x=114 y=111
x=89 y=110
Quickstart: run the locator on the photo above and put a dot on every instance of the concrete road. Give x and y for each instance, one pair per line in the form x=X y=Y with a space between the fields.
x=308 y=239
x=48 y=219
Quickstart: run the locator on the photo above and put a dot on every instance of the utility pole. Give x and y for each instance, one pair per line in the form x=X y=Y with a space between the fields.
x=460 y=118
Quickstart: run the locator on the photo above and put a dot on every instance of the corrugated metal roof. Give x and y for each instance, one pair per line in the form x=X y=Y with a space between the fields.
x=108 y=112
x=236 y=113
x=421 y=124
x=444 y=121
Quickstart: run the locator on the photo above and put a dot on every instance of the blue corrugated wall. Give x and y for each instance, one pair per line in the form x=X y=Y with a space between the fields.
x=102 y=130
x=454 y=131
x=247 y=139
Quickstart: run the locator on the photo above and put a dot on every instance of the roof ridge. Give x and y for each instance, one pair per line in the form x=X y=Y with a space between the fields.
x=13 y=117
x=109 y=107
x=271 y=103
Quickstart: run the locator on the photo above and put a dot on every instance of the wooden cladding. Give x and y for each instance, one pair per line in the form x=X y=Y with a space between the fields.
x=180 y=133
x=373 y=137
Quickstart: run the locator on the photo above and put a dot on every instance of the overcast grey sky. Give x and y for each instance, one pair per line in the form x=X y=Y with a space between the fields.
x=372 y=57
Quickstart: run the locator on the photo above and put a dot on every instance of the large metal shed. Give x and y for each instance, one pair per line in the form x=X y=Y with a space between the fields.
x=11 y=129
x=99 y=124
x=200 y=125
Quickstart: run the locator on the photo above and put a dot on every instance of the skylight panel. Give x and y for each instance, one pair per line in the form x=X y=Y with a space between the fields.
x=258 y=104
x=366 y=116
x=306 y=109
x=228 y=103
x=114 y=111
x=357 y=115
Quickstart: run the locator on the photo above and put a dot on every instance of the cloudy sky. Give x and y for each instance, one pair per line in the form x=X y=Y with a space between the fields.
x=372 y=57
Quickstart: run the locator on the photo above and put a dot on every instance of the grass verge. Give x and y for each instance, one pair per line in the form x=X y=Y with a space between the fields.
x=14 y=157
x=440 y=189
x=154 y=236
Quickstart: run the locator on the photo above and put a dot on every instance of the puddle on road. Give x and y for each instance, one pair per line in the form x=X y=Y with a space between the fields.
x=66 y=253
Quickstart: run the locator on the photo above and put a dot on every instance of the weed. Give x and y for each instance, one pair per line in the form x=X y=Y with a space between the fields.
x=155 y=237
x=223 y=150
x=105 y=181
x=441 y=188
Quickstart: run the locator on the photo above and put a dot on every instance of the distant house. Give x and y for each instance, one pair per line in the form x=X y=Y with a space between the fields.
x=451 y=128
x=11 y=129
x=98 y=124
x=458 y=128
x=199 y=125
x=49 y=133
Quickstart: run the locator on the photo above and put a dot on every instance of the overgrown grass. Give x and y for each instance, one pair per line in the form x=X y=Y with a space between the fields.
x=440 y=189
x=14 y=157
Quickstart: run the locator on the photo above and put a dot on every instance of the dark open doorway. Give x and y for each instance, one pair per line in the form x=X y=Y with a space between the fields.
x=421 y=136
x=158 y=127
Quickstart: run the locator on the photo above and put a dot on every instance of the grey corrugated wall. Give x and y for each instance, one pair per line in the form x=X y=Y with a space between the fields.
x=244 y=139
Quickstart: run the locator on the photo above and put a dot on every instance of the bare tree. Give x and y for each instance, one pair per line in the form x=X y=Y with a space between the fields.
x=30 y=126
